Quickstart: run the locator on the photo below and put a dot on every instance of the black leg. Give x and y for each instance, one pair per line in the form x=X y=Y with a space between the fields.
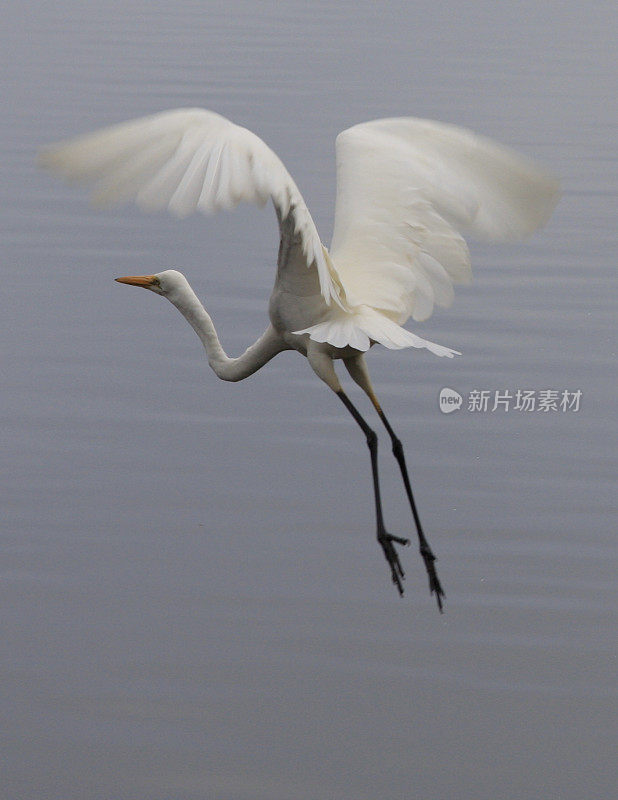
x=386 y=540
x=424 y=548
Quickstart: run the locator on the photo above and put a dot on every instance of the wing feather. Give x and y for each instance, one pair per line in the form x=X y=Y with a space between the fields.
x=407 y=189
x=187 y=160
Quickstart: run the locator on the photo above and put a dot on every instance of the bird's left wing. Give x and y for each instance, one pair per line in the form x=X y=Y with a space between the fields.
x=407 y=189
x=186 y=160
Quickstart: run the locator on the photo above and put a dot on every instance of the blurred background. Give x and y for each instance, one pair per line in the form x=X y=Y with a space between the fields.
x=194 y=605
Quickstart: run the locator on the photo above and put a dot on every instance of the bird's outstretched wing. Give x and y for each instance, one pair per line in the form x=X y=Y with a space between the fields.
x=406 y=190
x=187 y=160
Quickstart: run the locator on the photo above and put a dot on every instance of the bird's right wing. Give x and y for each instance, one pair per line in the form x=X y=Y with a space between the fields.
x=185 y=160
x=406 y=190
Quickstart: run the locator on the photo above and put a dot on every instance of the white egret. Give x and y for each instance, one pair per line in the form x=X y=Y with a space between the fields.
x=407 y=189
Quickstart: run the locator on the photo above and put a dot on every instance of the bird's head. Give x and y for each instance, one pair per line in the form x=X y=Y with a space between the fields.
x=165 y=283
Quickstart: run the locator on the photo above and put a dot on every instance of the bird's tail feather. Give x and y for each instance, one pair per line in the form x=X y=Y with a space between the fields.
x=367 y=325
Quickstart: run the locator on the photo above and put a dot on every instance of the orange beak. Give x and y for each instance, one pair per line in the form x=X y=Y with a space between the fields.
x=139 y=280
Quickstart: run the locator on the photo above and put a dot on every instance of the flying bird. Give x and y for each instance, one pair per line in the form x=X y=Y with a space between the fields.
x=407 y=189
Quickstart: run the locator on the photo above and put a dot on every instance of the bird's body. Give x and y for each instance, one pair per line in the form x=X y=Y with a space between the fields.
x=406 y=191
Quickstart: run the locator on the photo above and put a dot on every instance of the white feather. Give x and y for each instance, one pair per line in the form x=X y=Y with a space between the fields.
x=364 y=326
x=406 y=190
x=184 y=160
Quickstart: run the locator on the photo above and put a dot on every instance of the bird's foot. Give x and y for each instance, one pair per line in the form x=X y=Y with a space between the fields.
x=387 y=543
x=434 y=582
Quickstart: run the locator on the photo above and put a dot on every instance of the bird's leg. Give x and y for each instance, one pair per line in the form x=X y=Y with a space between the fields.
x=424 y=548
x=387 y=541
x=357 y=368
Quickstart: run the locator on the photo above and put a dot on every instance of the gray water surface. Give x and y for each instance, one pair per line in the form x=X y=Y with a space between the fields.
x=194 y=605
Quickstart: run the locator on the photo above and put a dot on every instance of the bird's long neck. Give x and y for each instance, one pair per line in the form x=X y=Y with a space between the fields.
x=226 y=368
